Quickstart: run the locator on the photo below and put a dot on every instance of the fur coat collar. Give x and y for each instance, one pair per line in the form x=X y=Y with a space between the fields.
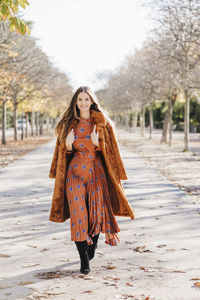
x=113 y=167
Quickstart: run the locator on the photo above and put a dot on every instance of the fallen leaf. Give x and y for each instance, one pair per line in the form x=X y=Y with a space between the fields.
x=4 y=255
x=109 y=267
x=128 y=296
x=141 y=249
x=33 y=246
x=43 y=250
x=53 y=274
x=129 y=284
x=160 y=246
x=178 y=271
x=25 y=282
x=30 y=266
x=109 y=283
x=197 y=283
x=89 y=292
x=80 y=276
x=130 y=243
x=111 y=278
x=133 y=278
x=54 y=294
x=195 y=278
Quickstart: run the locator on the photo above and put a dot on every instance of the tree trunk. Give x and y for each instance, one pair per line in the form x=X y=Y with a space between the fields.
x=15 y=121
x=37 y=122
x=27 y=121
x=22 y=128
x=186 y=120
x=47 y=123
x=127 y=120
x=170 y=121
x=3 y=138
x=151 y=120
x=41 y=123
x=142 y=120
x=167 y=127
x=166 y=123
x=135 y=118
x=32 y=122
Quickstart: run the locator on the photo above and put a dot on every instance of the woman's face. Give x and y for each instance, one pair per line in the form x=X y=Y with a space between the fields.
x=83 y=102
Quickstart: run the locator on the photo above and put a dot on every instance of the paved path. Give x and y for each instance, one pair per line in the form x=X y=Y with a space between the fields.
x=157 y=257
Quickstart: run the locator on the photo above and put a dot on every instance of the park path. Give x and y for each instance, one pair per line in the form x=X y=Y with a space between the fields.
x=158 y=257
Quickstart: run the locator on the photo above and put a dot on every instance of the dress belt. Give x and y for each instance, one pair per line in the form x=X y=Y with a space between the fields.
x=85 y=154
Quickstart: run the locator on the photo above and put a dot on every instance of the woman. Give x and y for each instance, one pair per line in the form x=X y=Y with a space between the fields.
x=87 y=168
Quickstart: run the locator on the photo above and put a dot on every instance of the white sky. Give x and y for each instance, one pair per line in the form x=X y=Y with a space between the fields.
x=83 y=37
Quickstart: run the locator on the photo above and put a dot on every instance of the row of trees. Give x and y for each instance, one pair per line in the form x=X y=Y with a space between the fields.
x=166 y=68
x=29 y=84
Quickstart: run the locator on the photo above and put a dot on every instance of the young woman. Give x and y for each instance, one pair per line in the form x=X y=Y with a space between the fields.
x=88 y=169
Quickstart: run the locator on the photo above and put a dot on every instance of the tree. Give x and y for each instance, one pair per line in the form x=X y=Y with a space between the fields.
x=179 y=20
x=29 y=82
x=9 y=10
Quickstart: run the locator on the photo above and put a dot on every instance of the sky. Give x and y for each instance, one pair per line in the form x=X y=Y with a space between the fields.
x=86 y=37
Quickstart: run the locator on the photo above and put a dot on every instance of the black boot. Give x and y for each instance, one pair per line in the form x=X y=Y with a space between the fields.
x=82 y=249
x=93 y=247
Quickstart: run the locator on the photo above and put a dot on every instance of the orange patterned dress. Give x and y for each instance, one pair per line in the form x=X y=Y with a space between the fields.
x=87 y=191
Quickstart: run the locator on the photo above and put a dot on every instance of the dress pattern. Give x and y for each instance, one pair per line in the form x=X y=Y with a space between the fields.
x=87 y=191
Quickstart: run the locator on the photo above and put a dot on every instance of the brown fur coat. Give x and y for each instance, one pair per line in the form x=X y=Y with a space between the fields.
x=113 y=167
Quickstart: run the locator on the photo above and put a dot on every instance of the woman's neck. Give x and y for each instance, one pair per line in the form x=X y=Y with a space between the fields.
x=85 y=115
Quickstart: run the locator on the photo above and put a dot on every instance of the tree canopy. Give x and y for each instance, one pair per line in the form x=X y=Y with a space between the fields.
x=9 y=10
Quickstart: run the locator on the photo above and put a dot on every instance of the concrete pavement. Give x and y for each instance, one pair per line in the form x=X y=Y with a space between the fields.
x=158 y=256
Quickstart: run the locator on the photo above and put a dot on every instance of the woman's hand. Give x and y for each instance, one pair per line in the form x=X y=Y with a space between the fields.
x=95 y=136
x=69 y=140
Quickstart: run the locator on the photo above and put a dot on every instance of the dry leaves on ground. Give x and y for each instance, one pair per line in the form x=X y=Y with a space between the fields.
x=130 y=296
x=44 y=295
x=4 y=255
x=15 y=149
x=53 y=274
x=197 y=284
x=87 y=292
x=141 y=249
x=109 y=267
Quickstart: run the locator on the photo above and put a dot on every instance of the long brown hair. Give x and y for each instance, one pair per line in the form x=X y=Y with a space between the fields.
x=72 y=112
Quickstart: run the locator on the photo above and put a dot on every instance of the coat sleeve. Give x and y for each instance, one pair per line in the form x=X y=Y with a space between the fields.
x=98 y=148
x=70 y=151
x=117 y=156
x=52 y=173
